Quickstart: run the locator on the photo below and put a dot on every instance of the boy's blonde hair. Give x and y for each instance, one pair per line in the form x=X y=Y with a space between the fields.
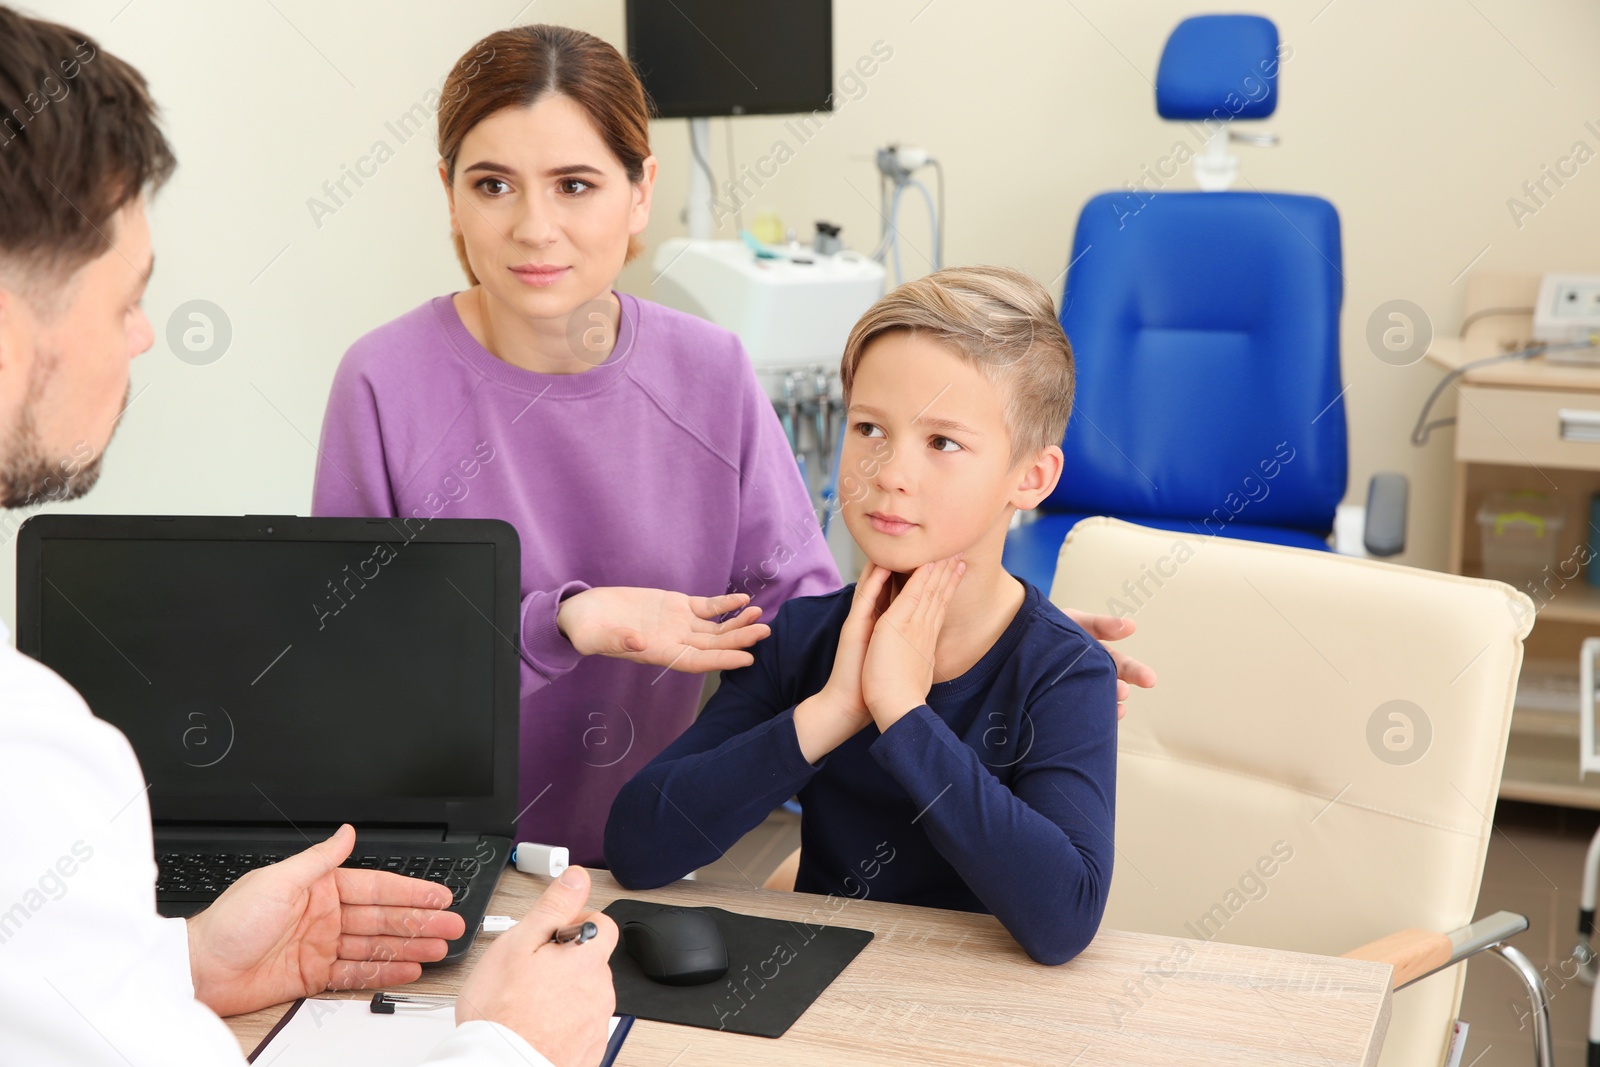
x=997 y=319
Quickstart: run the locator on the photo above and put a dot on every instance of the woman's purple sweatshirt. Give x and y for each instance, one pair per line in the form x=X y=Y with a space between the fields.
x=665 y=467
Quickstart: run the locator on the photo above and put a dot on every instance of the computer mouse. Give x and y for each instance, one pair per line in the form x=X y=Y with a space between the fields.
x=677 y=946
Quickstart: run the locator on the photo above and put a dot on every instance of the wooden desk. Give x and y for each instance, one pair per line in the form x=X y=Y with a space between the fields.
x=1509 y=436
x=951 y=988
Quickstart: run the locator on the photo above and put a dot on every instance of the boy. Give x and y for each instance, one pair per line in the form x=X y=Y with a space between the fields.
x=951 y=734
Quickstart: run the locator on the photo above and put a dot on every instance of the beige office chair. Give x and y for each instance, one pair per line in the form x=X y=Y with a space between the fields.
x=1317 y=768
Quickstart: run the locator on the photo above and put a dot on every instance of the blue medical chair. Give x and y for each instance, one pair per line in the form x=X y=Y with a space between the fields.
x=1205 y=328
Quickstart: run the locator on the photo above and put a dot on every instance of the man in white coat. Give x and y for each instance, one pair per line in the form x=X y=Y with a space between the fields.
x=89 y=973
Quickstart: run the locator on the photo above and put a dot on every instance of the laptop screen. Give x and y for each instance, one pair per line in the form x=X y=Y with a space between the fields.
x=325 y=663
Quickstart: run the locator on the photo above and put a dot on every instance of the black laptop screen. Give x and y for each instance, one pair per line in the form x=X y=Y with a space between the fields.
x=262 y=669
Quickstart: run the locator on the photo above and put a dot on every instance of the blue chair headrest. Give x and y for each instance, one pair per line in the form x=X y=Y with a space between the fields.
x=1219 y=65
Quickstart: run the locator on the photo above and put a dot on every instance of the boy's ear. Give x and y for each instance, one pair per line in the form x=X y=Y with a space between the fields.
x=1037 y=478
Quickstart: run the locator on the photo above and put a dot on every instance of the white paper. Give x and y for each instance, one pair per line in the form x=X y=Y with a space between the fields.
x=347 y=1033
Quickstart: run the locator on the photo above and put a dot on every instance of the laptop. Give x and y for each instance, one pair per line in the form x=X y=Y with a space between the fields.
x=277 y=676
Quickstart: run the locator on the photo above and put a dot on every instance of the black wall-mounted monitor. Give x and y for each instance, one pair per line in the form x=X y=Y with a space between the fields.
x=704 y=58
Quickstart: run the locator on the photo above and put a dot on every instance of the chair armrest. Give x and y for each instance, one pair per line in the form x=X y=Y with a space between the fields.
x=1485 y=933
x=1385 y=533
x=1412 y=953
x=1415 y=954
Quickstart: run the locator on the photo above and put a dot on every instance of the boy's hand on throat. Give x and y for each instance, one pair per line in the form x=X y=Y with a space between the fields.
x=843 y=689
x=898 y=670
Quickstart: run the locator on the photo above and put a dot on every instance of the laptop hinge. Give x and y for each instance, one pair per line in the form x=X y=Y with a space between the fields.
x=240 y=833
x=403 y=833
x=313 y=833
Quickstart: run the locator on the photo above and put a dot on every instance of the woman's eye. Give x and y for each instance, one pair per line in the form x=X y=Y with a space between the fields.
x=486 y=182
x=939 y=444
x=867 y=429
x=568 y=183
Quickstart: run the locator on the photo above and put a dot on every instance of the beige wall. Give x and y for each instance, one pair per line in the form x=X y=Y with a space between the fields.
x=1418 y=121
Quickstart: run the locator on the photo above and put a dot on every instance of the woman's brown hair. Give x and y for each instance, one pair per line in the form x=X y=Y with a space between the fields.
x=517 y=67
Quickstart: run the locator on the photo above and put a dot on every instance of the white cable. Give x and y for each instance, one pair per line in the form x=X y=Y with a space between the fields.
x=894 y=232
x=733 y=174
x=1420 y=433
x=888 y=250
x=933 y=222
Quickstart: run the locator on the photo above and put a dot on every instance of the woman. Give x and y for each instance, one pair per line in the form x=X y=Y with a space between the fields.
x=630 y=445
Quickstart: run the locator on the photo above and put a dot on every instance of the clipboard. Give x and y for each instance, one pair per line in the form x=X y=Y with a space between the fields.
x=315 y=1032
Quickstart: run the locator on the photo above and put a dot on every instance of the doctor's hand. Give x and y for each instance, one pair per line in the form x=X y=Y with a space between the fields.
x=898 y=670
x=559 y=998
x=663 y=627
x=306 y=925
x=1106 y=628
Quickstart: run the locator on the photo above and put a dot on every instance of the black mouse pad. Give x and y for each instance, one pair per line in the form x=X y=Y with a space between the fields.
x=776 y=968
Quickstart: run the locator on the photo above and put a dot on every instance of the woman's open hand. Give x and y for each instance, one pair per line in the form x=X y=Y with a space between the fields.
x=1108 y=628
x=663 y=627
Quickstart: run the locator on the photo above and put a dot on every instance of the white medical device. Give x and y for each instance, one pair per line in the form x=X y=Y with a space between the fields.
x=1568 y=309
x=792 y=312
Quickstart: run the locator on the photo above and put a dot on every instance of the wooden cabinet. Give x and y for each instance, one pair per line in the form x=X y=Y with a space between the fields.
x=1529 y=425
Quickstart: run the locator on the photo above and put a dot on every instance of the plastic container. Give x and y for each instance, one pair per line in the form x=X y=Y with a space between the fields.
x=1521 y=532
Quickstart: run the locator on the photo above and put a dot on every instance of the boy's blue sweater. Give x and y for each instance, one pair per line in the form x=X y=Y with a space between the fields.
x=996 y=795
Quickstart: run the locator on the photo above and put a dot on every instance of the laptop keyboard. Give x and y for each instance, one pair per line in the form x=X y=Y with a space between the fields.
x=195 y=876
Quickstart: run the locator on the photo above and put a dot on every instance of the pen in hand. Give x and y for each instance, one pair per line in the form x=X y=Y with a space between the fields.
x=577 y=934
x=390 y=1003
x=567 y=935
